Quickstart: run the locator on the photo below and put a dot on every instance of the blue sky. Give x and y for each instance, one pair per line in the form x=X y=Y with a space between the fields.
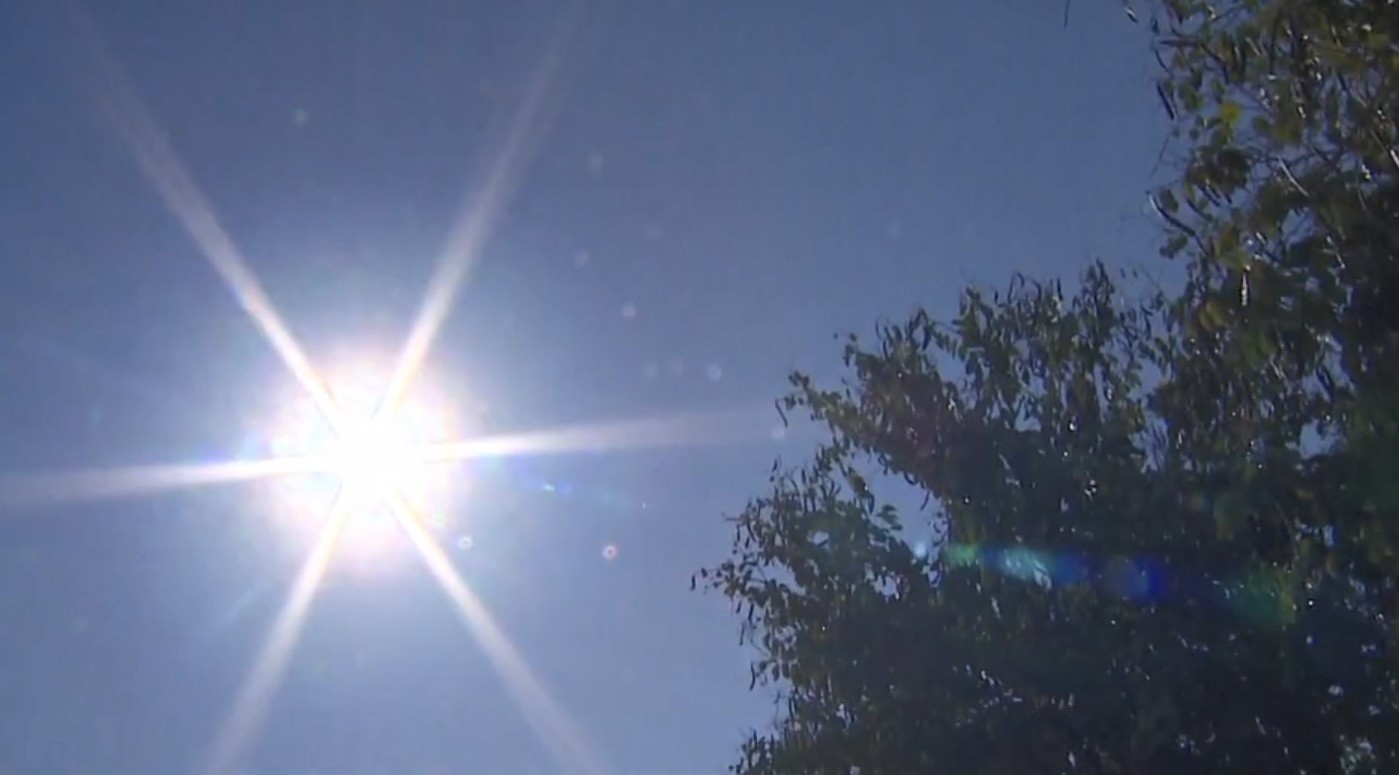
x=712 y=191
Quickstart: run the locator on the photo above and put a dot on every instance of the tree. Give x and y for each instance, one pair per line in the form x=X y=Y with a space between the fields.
x=1287 y=211
x=1108 y=597
x=1167 y=542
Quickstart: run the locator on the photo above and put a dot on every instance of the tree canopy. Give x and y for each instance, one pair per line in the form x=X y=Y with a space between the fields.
x=1165 y=519
x=1287 y=211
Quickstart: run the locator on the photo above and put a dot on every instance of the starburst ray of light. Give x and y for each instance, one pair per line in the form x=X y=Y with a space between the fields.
x=475 y=221
x=698 y=429
x=120 y=102
x=37 y=489
x=558 y=731
x=261 y=685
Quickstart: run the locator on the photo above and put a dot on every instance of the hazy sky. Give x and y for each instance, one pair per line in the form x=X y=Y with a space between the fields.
x=707 y=193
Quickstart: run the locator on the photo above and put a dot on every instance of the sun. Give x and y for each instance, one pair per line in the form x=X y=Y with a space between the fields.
x=376 y=458
x=370 y=455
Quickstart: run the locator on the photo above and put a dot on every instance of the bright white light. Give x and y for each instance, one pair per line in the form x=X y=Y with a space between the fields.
x=377 y=458
x=370 y=460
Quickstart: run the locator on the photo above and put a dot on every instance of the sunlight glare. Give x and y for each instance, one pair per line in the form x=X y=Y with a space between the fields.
x=23 y=490
x=368 y=460
x=257 y=690
x=479 y=214
x=117 y=98
x=573 y=752
x=671 y=431
x=374 y=458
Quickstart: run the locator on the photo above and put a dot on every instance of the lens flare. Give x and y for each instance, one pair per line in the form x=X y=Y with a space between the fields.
x=477 y=219
x=556 y=729
x=120 y=102
x=369 y=460
x=1262 y=597
x=19 y=490
x=258 y=689
x=681 y=430
x=377 y=455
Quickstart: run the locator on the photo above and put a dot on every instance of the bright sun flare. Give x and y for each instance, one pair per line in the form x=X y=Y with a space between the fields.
x=371 y=460
x=377 y=458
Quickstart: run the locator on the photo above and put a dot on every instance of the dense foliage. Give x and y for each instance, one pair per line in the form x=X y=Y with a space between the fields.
x=1167 y=533
x=1288 y=211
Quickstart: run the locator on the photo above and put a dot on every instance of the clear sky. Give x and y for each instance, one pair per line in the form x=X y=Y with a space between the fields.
x=704 y=194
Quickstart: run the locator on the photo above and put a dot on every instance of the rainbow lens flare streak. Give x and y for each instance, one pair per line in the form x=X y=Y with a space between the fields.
x=1261 y=596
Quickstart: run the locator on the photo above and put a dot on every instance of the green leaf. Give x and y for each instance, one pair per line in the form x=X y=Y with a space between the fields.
x=1229 y=516
x=1213 y=314
x=1230 y=113
x=1174 y=245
